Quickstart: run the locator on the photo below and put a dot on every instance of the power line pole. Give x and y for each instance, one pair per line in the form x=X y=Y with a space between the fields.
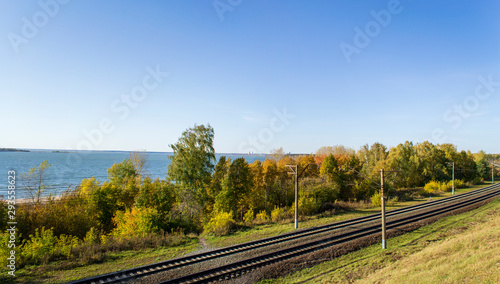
x=493 y=165
x=382 y=199
x=382 y=203
x=295 y=172
x=296 y=196
x=452 y=177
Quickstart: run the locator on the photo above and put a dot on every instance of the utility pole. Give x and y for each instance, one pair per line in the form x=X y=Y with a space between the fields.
x=296 y=196
x=382 y=203
x=382 y=200
x=493 y=165
x=295 y=172
x=452 y=177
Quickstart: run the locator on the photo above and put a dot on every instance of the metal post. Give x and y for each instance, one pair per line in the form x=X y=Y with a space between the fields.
x=453 y=181
x=296 y=196
x=492 y=174
x=384 y=244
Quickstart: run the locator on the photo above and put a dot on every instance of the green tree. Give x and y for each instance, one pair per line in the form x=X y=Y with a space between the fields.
x=465 y=166
x=124 y=177
x=119 y=173
x=192 y=163
x=218 y=176
x=403 y=158
x=432 y=162
x=330 y=169
x=238 y=184
x=159 y=195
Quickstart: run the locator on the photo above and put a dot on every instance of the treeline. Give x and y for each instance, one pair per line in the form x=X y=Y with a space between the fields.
x=201 y=194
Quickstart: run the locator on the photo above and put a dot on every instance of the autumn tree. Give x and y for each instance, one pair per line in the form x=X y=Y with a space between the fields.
x=257 y=197
x=140 y=162
x=270 y=173
x=335 y=150
x=311 y=168
x=34 y=181
x=277 y=154
x=370 y=156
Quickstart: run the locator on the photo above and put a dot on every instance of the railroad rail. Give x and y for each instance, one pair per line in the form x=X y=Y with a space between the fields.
x=238 y=268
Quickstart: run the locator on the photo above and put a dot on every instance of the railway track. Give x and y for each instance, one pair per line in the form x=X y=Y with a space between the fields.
x=431 y=208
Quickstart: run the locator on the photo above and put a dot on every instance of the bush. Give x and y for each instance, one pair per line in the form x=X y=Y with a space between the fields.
x=309 y=205
x=4 y=249
x=261 y=217
x=459 y=183
x=477 y=180
x=432 y=187
x=39 y=247
x=376 y=199
x=136 y=222
x=277 y=214
x=221 y=224
x=69 y=215
x=248 y=218
x=92 y=237
x=44 y=246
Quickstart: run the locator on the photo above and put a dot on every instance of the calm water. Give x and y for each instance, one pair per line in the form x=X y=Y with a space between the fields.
x=68 y=169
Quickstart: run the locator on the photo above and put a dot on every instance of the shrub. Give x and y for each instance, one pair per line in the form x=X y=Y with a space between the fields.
x=477 y=180
x=69 y=215
x=64 y=245
x=39 y=247
x=261 y=217
x=135 y=222
x=44 y=246
x=376 y=199
x=249 y=216
x=277 y=214
x=432 y=187
x=221 y=224
x=4 y=249
x=460 y=183
x=92 y=237
x=308 y=205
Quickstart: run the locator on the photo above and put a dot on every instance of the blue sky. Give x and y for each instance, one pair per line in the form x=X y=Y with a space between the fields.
x=265 y=74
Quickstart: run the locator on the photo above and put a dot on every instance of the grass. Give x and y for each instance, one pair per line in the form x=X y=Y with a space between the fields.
x=55 y=272
x=463 y=248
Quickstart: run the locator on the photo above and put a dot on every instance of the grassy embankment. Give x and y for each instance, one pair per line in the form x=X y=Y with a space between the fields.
x=56 y=272
x=463 y=248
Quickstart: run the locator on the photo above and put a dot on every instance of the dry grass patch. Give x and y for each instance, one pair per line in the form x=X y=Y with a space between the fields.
x=470 y=255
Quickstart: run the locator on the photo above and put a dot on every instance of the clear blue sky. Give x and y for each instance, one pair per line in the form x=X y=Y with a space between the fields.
x=66 y=68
